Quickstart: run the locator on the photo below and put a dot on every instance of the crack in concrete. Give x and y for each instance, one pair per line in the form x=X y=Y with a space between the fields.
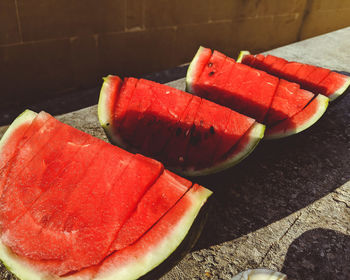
x=279 y=239
x=341 y=201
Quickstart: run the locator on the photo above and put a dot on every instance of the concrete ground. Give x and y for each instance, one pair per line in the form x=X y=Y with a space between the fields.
x=287 y=206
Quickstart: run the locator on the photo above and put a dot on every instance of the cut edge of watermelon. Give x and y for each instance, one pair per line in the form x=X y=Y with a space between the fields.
x=162 y=250
x=340 y=90
x=105 y=112
x=20 y=267
x=193 y=72
x=241 y=150
x=287 y=128
x=26 y=117
x=134 y=269
x=241 y=55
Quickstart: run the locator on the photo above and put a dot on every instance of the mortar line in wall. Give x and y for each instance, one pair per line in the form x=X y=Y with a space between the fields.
x=18 y=22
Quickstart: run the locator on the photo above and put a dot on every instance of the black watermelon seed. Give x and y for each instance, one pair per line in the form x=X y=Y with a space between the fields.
x=107 y=124
x=212 y=130
x=178 y=131
x=211 y=73
x=210 y=64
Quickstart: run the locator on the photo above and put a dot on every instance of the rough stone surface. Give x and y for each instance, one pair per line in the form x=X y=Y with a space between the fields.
x=287 y=206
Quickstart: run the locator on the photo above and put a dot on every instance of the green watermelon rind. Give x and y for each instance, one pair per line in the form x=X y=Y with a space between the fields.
x=241 y=55
x=340 y=90
x=193 y=70
x=132 y=270
x=255 y=134
x=323 y=103
x=26 y=117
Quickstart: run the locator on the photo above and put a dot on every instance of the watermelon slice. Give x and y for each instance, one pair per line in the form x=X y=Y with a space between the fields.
x=253 y=92
x=289 y=100
x=183 y=127
x=113 y=211
x=301 y=120
x=313 y=78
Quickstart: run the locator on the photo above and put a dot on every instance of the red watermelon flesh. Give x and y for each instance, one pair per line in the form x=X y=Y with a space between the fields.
x=313 y=78
x=140 y=101
x=246 y=90
x=311 y=113
x=316 y=77
x=332 y=83
x=288 y=100
x=259 y=61
x=209 y=73
x=257 y=90
x=269 y=60
x=236 y=74
x=99 y=232
x=175 y=149
x=276 y=67
x=163 y=115
x=291 y=69
x=31 y=223
x=248 y=59
x=10 y=148
x=222 y=77
x=26 y=155
x=122 y=98
x=156 y=202
x=11 y=154
x=208 y=129
x=117 y=265
x=235 y=129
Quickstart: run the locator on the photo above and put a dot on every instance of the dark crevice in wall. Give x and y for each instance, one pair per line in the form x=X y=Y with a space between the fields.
x=306 y=14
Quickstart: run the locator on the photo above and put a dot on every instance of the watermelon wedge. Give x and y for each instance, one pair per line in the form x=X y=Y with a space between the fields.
x=250 y=91
x=310 y=77
x=189 y=134
x=301 y=120
x=88 y=209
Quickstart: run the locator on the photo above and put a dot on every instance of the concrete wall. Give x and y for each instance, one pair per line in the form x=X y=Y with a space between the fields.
x=48 y=47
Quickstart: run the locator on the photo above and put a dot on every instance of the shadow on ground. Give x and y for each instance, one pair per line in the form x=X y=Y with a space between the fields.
x=318 y=254
x=279 y=178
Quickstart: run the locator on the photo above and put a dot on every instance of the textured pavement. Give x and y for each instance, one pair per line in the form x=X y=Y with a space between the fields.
x=287 y=206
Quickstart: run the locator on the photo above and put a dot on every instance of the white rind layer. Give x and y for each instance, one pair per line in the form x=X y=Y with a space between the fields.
x=26 y=117
x=340 y=90
x=191 y=72
x=255 y=134
x=19 y=267
x=322 y=105
x=241 y=55
x=105 y=116
x=158 y=253
x=137 y=266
